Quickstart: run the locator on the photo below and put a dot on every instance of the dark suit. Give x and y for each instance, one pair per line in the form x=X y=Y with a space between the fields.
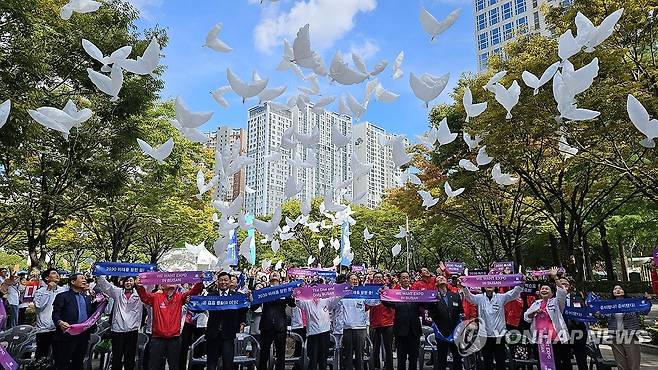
x=578 y=333
x=407 y=331
x=446 y=316
x=69 y=350
x=273 y=328
x=220 y=334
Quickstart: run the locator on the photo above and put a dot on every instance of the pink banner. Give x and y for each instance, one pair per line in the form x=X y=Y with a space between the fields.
x=321 y=292
x=399 y=295
x=492 y=280
x=176 y=277
x=3 y=315
x=77 y=329
x=545 y=335
x=6 y=361
x=655 y=256
x=301 y=272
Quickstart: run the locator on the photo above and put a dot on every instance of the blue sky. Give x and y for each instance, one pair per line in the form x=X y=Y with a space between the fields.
x=379 y=29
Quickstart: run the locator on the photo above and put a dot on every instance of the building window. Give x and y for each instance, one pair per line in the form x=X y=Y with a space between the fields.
x=522 y=25
x=536 y=19
x=482 y=21
x=534 y=3
x=492 y=2
x=480 y=5
x=493 y=17
x=519 y=6
x=508 y=31
x=483 y=61
x=495 y=36
x=507 y=10
x=483 y=42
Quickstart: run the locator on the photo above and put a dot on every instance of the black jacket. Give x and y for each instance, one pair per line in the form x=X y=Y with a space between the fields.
x=446 y=316
x=226 y=323
x=273 y=318
x=576 y=300
x=407 y=318
x=65 y=308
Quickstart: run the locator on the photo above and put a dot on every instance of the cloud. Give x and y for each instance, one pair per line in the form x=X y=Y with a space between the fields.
x=144 y=7
x=366 y=50
x=330 y=20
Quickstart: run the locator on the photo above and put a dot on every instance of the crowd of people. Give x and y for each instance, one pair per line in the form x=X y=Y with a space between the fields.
x=535 y=308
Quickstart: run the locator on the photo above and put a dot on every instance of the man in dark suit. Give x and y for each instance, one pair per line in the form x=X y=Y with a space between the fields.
x=446 y=314
x=222 y=327
x=73 y=306
x=577 y=331
x=406 y=328
x=273 y=327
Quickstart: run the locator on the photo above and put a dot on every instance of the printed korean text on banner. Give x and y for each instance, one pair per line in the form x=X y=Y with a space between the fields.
x=356 y=268
x=499 y=267
x=328 y=275
x=626 y=305
x=301 y=272
x=321 y=291
x=218 y=303
x=455 y=268
x=530 y=288
x=80 y=328
x=582 y=314
x=121 y=268
x=273 y=293
x=174 y=277
x=478 y=272
x=399 y=295
x=6 y=361
x=369 y=291
x=492 y=280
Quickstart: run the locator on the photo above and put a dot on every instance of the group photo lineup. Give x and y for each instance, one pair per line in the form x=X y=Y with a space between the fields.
x=328 y=184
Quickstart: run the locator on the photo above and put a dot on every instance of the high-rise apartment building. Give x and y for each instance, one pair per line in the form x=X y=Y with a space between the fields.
x=222 y=141
x=367 y=139
x=497 y=22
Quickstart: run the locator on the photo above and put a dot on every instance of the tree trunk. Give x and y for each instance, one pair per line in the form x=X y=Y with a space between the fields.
x=607 y=254
x=555 y=253
x=622 y=260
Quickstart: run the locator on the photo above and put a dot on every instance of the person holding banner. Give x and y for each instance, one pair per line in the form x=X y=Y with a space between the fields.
x=381 y=329
x=545 y=316
x=167 y=308
x=70 y=307
x=491 y=314
x=223 y=325
x=43 y=304
x=126 y=319
x=577 y=330
x=446 y=314
x=273 y=326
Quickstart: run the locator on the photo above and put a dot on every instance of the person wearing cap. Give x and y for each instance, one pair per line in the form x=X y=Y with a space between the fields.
x=43 y=304
x=273 y=327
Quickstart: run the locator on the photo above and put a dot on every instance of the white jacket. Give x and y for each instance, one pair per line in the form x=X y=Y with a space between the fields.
x=43 y=303
x=492 y=311
x=555 y=307
x=126 y=312
x=318 y=314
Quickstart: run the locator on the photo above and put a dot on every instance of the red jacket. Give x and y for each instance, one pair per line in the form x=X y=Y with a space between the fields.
x=654 y=281
x=167 y=312
x=421 y=284
x=381 y=316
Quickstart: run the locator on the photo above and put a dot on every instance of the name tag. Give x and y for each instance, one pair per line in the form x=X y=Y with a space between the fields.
x=576 y=304
x=456 y=304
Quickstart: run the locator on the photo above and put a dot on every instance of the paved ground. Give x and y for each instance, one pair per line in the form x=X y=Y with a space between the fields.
x=649 y=361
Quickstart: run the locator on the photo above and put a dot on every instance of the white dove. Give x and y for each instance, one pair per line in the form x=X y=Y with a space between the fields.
x=274 y=156
x=566 y=150
x=407 y=175
x=268 y=228
x=278 y=265
x=642 y=121
x=229 y=209
x=402 y=233
x=160 y=153
x=383 y=95
x=5 y=107
x=305 y=207
x=320 y=244
x=429 y=138
x=483 y=158
x=315 y=85
x=471 y=142
x=303 y=56
x=147 y=63
x=366 y=234
x=400 y=156
x=245 y=90
x=249 y=190
x=336 y=261
x=508 y=98
x=271 y=94
x=590 y=36
x=535 y=83
x=449 y=192
x=361 y=65
x=566 y=102
x=467 y=165
x=358 y=109
x=396 y=249
x=318 y=106
x=428 y=87
x=78 y=6
x=310 y=260
x=275 y=245
x=218 y=95
x=118 y=56
x=337 y=137
x=287 y=139
x=213 y=42
x=472 y=110
x=245 y=247
x=567 y=45
x=109 y=85
x=286 y=61
x=335 y=243
x=496 y=78
x=578 y=81
x=397 y=64
x=61 y=120
x=359 y=168
x=340 y=72
x=291 y=188
x=428 y=200
x=444 y=135
x=501 y=178
x=204 y=186
x=266 y=264
x=433 y=27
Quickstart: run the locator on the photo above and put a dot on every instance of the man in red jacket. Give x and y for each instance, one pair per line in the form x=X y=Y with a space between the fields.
x=426 y=281
x=381 y=329
x=167 y=312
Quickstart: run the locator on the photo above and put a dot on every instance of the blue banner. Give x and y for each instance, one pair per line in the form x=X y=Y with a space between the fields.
x=439 y=337
x=365 y=292
x=232 y=250
x=274 y=292
x=582 y=314
x=218 y=303
x=625 y=305
x=121 y=268
x=329 y=276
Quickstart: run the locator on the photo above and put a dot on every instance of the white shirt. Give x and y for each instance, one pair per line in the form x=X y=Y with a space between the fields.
x=296 y=321
x=353 y=313
x=43 y=303
x=127 y=312
x=318 y=314
x=492 y=311
x=13 y=294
